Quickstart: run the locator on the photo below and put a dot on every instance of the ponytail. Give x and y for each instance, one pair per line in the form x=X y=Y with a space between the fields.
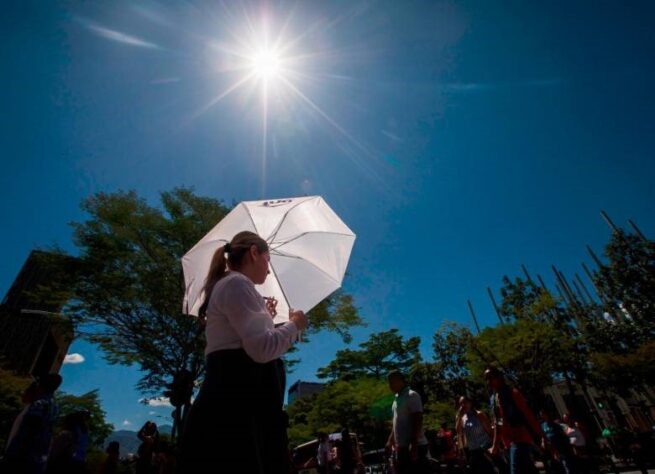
x=220 y=265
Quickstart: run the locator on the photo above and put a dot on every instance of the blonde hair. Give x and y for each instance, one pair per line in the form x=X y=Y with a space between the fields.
x=235 y=250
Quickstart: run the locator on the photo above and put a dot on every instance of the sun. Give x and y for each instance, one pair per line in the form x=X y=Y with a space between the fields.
x=270 y=59
x=266 y=64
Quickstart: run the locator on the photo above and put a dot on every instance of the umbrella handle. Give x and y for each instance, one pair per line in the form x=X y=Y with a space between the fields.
x=299 y=338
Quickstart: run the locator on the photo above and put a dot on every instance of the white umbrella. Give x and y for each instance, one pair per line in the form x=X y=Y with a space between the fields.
x=309 y=245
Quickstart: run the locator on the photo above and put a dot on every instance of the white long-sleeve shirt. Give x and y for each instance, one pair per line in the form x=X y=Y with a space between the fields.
x=237 y=318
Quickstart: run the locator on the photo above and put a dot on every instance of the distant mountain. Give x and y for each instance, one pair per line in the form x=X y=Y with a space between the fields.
x=128 y=441
x=165 y=429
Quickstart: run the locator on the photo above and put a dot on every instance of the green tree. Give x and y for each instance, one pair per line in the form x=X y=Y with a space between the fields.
x=381 y=353
x=68 y=404
x=621 y=346
x=627 y=283
x=12 y=387
x=130 y=289
x=450 y=376
x=447 y=377
x=362 y=405
x=128 y=299
x=336 y=313
x=529 y=352
x=518 y=297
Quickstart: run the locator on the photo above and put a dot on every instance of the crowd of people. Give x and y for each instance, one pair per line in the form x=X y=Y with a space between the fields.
x=513 y=440
x=237 y=424
x=43 y=442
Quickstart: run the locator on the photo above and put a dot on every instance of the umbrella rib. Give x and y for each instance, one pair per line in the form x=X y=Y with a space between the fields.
x=286 y=298
x=251 y=219
x=312 y=264
x=279 y=226
x=310 y=232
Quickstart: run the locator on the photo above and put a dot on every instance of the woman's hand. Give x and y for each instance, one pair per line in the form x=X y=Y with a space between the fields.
x=493 y=451
x=271 y=306
x=299 y=319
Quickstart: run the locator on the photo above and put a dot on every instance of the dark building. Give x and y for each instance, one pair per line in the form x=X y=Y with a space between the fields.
x=303 y=389
x=34 y=337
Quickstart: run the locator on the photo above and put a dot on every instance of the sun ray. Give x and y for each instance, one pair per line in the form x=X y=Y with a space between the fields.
x=278 y=45
x=224 y=94
x=283 y=70
x=357 y=144
x=264 y=135
x=327 y=118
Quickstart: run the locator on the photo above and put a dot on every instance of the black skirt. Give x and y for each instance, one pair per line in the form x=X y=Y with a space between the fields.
x=236 y=424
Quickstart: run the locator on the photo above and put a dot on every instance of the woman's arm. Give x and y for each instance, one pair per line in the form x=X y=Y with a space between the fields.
x=247 y=314
x=461 y=441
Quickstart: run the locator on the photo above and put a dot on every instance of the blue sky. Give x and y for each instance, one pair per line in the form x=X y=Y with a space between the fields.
x=459 y=140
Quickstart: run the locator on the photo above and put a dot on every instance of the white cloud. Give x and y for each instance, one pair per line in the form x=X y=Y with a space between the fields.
x=165 y=80
x=156 y=402
x=74 y=358
x=118 y=36
x=459 y=87
x=392 y=136
x=126 y=423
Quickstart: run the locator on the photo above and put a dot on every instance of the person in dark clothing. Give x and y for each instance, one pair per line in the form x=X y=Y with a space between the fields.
x=346 y=453
x=149 y=436
x=110 y=466
x=514 y=424
x=68 y=450
x=29 y=441
x=557 y=446
x=237 y=424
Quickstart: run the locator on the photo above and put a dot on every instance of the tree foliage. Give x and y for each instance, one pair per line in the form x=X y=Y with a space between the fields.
x=130 y=290
x=362 y=405
x=128 y=299
x=381 y=353
x=621 y=345
x=529 y=352
x=99 y=429
x=12 y=386
x=606 y=342
x=627 y=280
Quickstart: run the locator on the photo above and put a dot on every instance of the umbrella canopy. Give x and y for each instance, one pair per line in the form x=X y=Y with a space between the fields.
x=309 y=246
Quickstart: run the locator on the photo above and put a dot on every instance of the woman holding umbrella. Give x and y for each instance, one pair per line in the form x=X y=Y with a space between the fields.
x=237 y=424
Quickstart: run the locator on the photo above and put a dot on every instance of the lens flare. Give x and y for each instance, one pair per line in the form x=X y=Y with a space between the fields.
x=266 y=64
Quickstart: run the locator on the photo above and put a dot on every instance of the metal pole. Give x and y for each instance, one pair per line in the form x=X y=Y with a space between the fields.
x=566 y=290
x=576 y=307
x=527 y=275
x=609 y=221
x=637 y=231
x=579 y=293
x=493 y=302
x=475 y=320
x=568 y=287
x=595 y=257
x=561 y=292
x=584 y=288
x=589 y=275
x=541 y=282
x=591 y=278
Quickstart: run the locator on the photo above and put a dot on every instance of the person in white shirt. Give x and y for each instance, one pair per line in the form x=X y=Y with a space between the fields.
x=237 y=424
x=407 y=438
